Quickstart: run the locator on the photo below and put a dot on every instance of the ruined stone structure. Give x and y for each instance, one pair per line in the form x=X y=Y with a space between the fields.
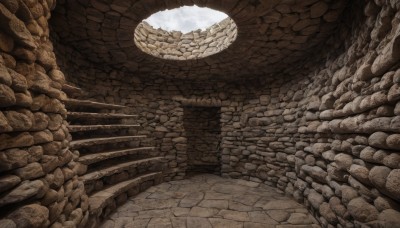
x=301 y=95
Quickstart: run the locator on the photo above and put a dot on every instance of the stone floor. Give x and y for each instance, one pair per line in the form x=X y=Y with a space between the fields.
x=208 y=201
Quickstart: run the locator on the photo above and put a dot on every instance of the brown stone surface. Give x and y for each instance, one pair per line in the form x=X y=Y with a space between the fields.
x=258 y=32
x=361 y=210
x=79 y=128
x=175 y=45
x=108 y=171
x=91 y=104
x=104 y=140
x=163 y=206
x=32 y=215
x=308 y=98
x=33 y=136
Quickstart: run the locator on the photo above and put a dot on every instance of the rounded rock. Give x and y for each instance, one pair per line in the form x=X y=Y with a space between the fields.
x=361 y=210
x=378 y=139
x=32 y=215
x=7 y=96
x=393 y=184
x=7 y=223
x=393 y=141
x=378 y=175
x=343 y=161
x=327 y=213
x=318 y=9
x=360 y=173
x=389 y=218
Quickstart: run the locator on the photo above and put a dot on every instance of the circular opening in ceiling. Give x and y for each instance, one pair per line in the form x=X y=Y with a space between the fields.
x=185 y=33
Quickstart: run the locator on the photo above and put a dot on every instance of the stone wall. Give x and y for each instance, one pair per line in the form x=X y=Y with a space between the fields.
x=193 y=45
x=359 y=107
x=203 y=130
x=160 y=105
x=324 y=131
x=330 y=137
x=272 y=36
x=39 y=183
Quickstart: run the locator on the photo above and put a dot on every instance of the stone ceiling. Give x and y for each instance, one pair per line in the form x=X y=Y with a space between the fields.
x=194 y=45
x=272 y=35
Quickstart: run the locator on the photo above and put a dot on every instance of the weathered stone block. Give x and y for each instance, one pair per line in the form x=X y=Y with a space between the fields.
x=23 y=191
x=7 y=96
x=30 y=171
x=378 y=139
x=343 y=161
x=8 y=181
x=32 y=215
x=393 y=184
x=361 y=210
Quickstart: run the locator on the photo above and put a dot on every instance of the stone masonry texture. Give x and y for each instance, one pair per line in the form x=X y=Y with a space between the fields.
x=302 y=96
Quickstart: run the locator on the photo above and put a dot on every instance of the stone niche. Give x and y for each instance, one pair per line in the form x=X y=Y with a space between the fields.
x=202 y=127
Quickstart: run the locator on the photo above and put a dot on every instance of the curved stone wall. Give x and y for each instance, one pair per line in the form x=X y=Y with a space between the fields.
x=329 y=135
x=324 y=130
x=39 y=184
x=272 y=36
x=193 y=45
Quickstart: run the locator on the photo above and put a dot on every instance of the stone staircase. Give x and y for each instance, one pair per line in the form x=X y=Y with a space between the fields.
x=118 y=162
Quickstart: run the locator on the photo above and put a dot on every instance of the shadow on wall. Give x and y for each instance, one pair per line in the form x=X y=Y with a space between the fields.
x=203 y=128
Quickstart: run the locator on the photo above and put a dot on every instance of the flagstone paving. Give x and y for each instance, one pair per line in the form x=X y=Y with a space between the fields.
x=209 y=201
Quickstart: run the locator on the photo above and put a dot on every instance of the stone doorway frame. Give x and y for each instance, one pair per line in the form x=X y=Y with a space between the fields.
x=201 y=102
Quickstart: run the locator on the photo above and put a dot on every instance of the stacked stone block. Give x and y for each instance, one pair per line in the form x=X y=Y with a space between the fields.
x=349 y=178
x=322 y=127
x=39 y=174
x=271 y=35
x=323 y=130
x=193 y=45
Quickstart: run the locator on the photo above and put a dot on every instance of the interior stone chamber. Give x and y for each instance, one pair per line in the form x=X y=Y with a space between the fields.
x=306 y=98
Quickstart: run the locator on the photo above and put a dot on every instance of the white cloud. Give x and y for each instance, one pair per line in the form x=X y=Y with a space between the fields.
x=186 y=18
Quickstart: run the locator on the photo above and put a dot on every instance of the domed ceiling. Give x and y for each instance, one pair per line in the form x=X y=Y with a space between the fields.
x=271 y=35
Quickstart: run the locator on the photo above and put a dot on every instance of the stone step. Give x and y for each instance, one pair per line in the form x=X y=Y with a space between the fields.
x=72 y=91
x=91 y=104
x=90 y=115
x=117 y=168
x=80 y=128
x=75 y=144
x=97 y=157
x=101 y=199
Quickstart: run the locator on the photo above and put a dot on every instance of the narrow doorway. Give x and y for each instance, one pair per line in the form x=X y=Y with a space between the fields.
x=203 y=129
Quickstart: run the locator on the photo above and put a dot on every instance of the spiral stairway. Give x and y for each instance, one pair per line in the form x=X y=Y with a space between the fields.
x=116 y=162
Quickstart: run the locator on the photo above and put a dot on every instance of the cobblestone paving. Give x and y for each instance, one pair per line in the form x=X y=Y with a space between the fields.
x=210 y=201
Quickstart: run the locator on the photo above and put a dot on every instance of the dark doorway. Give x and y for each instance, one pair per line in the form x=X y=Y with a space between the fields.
x=203 y=128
